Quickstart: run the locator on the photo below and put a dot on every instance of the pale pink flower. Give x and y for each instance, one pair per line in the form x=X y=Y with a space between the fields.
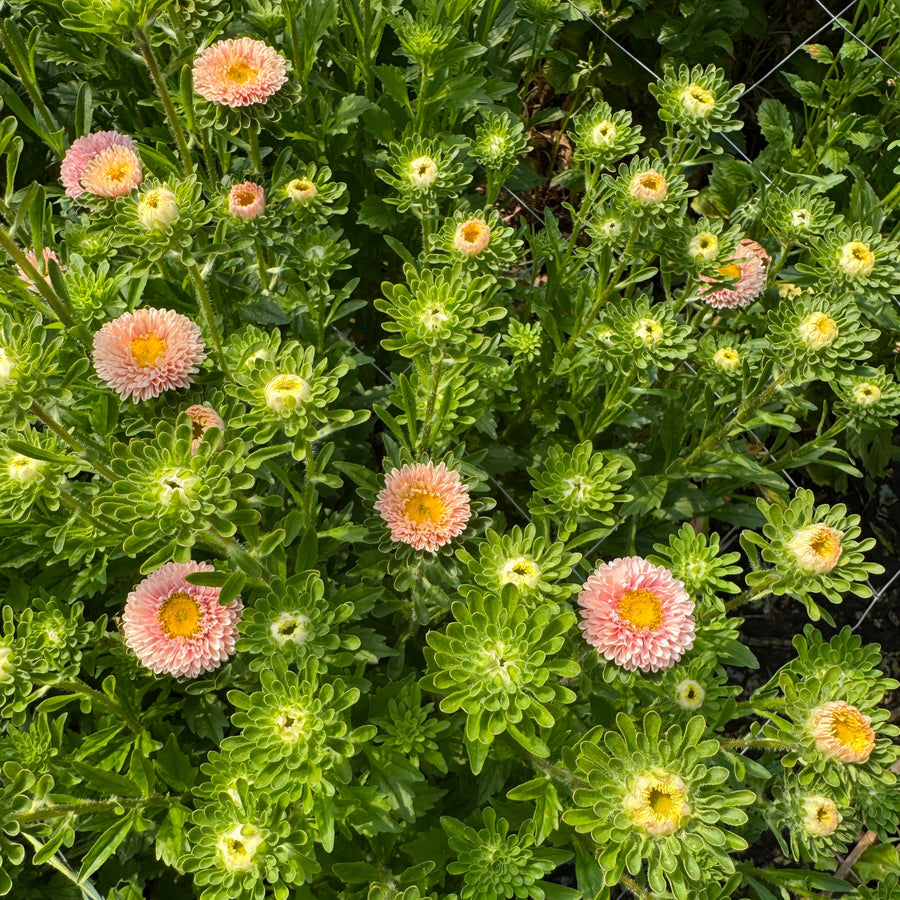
x=649 y=187
x=179 y=628
x=637 y=614
x=48 y=254
x=143 y=353
x=842 y=731
x=202 y=419
x=424 y=505
x=472 y=237
x=750 y=268
x=246 y=200
x=83 y=153
x=238 y=72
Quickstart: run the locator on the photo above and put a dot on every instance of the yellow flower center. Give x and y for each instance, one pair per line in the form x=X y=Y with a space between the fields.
x=521 y=571
x=301 y=189
x=658 y=802
x=850 y=730
x=867 y=393
x=148 y=350
x=237 y=848
x=727 y=358
x=650 y=181
x=116 y=172
x=697 y=100
x=690 y=694
x=424 y=507
x=648 y=331
x=604 y=132
x=471 y=231
x=180 y=616
x=856 y=258
x=289 y=725
x=817 y=548
x=284 y=392
x=241 y=73
x=730 y=271
x=640 y=609
x=818 y=330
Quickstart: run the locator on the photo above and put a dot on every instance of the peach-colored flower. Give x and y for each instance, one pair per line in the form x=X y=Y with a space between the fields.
x=472 y=237
x=649 y=187
x=238 y=72
x=816 y=548
x=246 y=200
x=202 y=419
x=143 y=353
x=637 y=614
x=750 y=268
x=113 y=172
x=48 y=254
x=83 y=151
x=424 y=505
x=842 y=731
x=179 y=628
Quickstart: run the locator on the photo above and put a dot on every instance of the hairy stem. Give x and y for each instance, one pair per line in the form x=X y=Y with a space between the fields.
x=89 y=807
x=209 y=315
x=67 y=436
x=74 y=686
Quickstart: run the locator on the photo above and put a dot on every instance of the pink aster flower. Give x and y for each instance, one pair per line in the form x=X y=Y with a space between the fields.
x=48 y=254
x=246 y=200
x=637 y=614
x=143 y=353
x=238 y=72
x=424 y=505
x=179 y=628
x=115 y=171
x=202 y=419
x=750 y=268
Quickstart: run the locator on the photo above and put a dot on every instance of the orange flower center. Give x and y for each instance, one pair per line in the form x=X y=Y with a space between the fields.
x=640 y=609
x=471 y=231
x=651 y=182
x=825 y=543
x=732 y=271
x=180 y=616
x=240 y=72
x=424 y=508
x=147 y=350
x=850 y=730
x=244 y=197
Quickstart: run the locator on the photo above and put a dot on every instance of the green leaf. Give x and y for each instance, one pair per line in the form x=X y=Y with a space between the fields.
x=775 y=123
x=174 y=766
x=105 y=846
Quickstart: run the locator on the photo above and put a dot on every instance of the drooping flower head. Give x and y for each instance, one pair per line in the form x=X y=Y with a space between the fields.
x=637 y=614
x=48 y=254
x=750 y=267
x=202 y=419
x=238 y=72
x=842 y=732
x=179 y=628
x=143 y=353
x=472 y=237
x=246 y=200
x=657 y=801
x=424 y=505
x=816 y=548
x=105 y=163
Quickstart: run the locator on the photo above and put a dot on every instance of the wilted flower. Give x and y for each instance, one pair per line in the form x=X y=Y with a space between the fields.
x=143 y=353
x=422 y=172
x=472 y=237
x=842 y=732
x=246 y=200
x=649 y=187
x=80 y=156
x=657 y=801
x=424 y=505
x=285 y=392
x=857 y=259
x=816 y=548
x=157 y=209
x=238 y=72
x=301 y=191
x=48 y=254
x=179 y=628
x=636 y=614
x=820 y=815
x=690 y=694
x=202 y=419
x=749 y=269
x=817 y=330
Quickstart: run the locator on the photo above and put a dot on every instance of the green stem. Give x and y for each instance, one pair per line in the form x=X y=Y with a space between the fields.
x=436 y=365
x=309 y=487
x=75 y=686
x=67 y=436
x=557 y=773
x=209 y=315
x=253 y=140
x=779 y=265
x=635 y=888
x=261 y=264
x=750 y=595
x=89 y=807
x=164 y=95
x=44 y=288
x=754 y=744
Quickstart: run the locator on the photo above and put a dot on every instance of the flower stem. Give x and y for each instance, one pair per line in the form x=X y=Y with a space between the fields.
x=754 y=744
x=164 y=95
x=557 y=773
x=67 y=436
x=209 y=315
x=436 y=364
x=89 y=807
x=253 y=140
x=75 y=686
x=635 y=888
